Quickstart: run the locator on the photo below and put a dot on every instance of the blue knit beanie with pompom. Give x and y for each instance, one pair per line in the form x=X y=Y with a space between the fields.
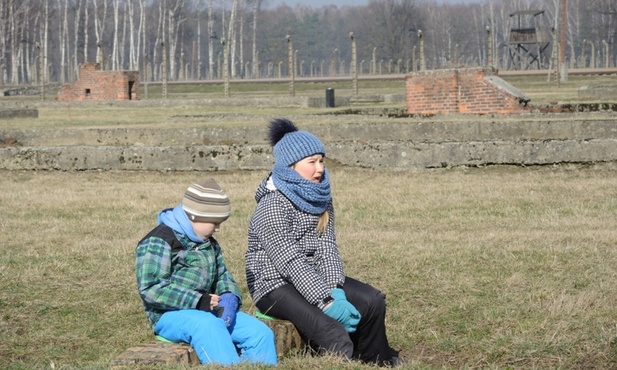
x=290 y=144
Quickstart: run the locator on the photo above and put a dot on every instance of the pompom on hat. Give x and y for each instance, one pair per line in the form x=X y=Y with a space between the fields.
x=290 y=144
x=205 y=201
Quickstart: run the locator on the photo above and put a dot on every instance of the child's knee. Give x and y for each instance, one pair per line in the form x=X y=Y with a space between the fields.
x=263 y=331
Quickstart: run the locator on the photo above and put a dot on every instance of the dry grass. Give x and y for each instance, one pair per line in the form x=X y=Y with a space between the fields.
x=500 y=267
x=541 y=90
x=483 y=268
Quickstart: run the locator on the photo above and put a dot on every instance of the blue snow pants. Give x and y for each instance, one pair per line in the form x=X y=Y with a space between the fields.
x=214 y=343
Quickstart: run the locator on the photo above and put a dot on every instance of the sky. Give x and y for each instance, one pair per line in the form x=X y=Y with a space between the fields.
x=320 y=3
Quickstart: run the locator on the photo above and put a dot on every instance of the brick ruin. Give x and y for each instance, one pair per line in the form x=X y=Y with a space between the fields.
x=96 y=85
x=473 y=90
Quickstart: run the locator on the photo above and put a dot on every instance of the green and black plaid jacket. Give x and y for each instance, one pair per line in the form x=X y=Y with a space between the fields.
x=173 y=272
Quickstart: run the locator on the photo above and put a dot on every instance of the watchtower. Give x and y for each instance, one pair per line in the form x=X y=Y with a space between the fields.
x=529 y=40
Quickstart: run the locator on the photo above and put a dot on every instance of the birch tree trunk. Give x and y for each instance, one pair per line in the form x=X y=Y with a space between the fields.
x=211 y=38
x=198 y=59
x=231 y=39
x=3 y=37
x=255 y=63
x=44 y=40
x=114 y=50
x=99 y=27
x=97 y=33
x=574 y=27
x=241 y=41
x=63 y=37
x=175 y=23
x=86 y=30
x=172 y=44
x=224 y=37
x=22 y=43
x=122 y=45
x=144 y=56
x=160 y=37
x=27 y=70
x=75 y=66
x=133 y=50
x=14 y=44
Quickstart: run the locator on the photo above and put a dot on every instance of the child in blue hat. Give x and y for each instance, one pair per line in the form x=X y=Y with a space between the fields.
x=293 y=268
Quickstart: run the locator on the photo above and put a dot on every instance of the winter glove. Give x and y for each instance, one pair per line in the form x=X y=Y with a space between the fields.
x=204 y=302
x=342 y=311
x=229 y=303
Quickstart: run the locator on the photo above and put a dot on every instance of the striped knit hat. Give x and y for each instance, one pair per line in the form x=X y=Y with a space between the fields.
x=205 y=201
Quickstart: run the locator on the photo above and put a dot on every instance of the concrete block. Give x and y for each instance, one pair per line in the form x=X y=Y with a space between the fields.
x=608 y=92
x=19 y=113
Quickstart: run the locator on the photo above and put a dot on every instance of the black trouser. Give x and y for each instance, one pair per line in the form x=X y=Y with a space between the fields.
x=369 y=343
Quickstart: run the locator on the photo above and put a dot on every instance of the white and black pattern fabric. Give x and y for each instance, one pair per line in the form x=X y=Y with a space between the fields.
x=284 y=247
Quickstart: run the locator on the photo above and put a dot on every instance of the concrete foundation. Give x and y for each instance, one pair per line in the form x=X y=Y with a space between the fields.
x=389 y=144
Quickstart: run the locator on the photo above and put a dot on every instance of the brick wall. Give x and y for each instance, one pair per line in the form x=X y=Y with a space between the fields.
x=474 y=90
x=96 y=85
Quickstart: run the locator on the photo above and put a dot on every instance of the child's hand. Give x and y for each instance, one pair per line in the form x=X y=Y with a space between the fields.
x=214 y=301
x=229 y=303
x=341 y=310
x=208 y=302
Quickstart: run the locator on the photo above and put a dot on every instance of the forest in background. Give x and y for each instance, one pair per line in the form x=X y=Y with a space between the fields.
x=46 y=41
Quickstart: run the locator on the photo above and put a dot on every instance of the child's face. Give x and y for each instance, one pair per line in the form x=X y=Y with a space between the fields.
x=204 y=230
x=310 y=168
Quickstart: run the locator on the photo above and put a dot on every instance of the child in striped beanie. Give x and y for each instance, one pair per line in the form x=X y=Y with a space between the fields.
x=186 y=290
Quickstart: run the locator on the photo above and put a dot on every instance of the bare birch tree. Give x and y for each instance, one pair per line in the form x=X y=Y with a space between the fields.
x=63 y=36
x=3 y=38
x=142 y=26
x=25 y=62
x=241 y=41
x=45 y=45
x=133 y=49
x=86 y=30
x=99 y=27
x=255 y=63
x=198 y=58
x=76 y=33
x=57 y=35
x=160 y=37
x=114 y=50
x=211 y=38
x=13 y=42
x=231 y=36
x=122 y=47
x=175 y=21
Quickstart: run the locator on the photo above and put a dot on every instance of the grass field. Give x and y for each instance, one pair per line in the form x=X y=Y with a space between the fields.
x=483 y=268
x=494 y=267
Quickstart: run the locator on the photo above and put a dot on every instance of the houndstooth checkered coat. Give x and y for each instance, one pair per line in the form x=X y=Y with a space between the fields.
x=285 y=248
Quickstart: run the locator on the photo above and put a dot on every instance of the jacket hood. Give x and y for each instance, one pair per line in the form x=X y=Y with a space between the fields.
x=266 y=186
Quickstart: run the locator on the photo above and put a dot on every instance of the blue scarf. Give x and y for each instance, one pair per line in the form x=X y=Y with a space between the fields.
x=306 y=195
x=177 y=219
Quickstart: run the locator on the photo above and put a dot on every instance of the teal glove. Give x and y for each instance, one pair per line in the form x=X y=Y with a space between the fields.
x=342 y=311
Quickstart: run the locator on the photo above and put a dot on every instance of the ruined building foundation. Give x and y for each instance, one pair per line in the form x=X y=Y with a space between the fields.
x=96 y=85
x=473 y=90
